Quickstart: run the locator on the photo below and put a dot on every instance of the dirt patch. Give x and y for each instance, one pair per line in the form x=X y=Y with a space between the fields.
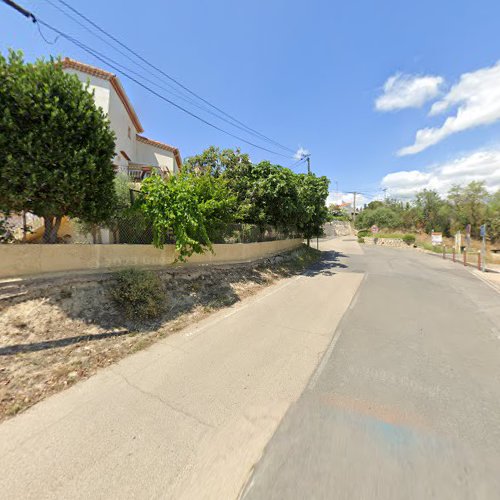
x=59 y=332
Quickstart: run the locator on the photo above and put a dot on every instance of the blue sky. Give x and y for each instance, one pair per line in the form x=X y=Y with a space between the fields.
x=308 y=75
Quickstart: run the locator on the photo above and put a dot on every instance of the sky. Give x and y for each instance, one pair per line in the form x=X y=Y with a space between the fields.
x=392 y=95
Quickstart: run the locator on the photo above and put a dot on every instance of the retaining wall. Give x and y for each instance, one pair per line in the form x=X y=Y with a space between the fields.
x=33 y=259
x=388 y=242
x=337 y=228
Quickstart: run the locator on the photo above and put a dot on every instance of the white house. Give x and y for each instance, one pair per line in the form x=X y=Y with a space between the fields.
x=136 y=155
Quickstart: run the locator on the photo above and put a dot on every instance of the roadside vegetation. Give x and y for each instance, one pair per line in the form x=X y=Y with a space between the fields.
x=56 y=147
x=56 y=151
x=470 y=204
x=220 y=187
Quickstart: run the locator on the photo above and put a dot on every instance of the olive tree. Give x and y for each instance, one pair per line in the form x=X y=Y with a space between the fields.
x=56 y=147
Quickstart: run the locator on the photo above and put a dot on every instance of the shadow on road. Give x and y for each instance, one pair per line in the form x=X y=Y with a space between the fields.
x=330 y=260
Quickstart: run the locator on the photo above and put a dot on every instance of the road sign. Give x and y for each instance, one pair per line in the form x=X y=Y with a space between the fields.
x=374 y=229
x=437 y=238
x=482 y=231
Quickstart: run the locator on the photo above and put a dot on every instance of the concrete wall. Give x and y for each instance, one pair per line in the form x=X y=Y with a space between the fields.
x=26 y=260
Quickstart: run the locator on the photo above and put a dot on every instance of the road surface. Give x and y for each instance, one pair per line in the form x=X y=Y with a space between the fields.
x=406 y=401
x=188 y=417
x=376 y=375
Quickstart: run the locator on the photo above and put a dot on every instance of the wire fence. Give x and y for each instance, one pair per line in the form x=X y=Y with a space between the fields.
x=130 y=227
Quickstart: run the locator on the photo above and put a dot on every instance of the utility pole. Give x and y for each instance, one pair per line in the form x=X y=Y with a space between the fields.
x=308 y=158
x=385 y=193
x=21 y=10
x=354 y=208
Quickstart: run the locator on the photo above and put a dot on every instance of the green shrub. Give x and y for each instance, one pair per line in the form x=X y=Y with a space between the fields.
x=139 y=294
x=409 y=239
x=363 y=233
x=361 y=239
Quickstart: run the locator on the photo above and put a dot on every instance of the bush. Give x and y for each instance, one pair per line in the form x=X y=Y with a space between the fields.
x=140 y=294
x=409 y=239
x=364 y=232
x=361 y=239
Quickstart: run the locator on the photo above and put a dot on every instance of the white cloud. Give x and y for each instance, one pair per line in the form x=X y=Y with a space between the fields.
x=339 y=198
x=477 y=96
x=408 y=91
x=477 y=166
x=300 y=153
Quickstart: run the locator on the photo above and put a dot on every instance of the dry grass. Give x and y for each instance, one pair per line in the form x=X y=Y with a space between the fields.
x=50 y=340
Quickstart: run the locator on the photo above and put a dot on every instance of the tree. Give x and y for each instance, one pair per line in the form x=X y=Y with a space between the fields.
x=56 y=147
x=187 y=206
x=312 y=213
x=469 y=205
x=493 y=217
x=215 y=162
x=383 y=217
x=430 y=211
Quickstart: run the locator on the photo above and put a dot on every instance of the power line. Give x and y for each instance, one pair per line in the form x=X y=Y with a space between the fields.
x=297 y=163
x=89 y=50
x=137 y=55
x=102 y=59
x=173 y=90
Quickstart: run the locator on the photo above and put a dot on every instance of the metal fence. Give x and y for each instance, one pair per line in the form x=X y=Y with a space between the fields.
x=132 y=228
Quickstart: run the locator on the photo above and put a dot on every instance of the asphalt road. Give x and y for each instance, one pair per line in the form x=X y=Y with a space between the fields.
x=188 y=417
x=406 y=400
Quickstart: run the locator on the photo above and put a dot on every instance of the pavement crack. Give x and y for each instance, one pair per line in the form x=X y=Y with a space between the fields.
x=152 y=395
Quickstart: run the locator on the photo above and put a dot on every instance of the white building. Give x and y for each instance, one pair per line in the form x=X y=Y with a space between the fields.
x=136 y=155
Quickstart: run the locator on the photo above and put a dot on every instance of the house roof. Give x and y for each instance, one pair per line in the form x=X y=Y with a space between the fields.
x=115 y=83
x=162 y=145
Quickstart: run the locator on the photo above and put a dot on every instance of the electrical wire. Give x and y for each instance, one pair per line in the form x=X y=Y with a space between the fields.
x=91 y=51
x=137 y=55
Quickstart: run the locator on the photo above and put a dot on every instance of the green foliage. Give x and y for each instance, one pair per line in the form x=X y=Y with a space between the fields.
x=409 y=239
x=215 y=162
x=469 y=205
x=336 y=212
x=266 y=194
x=364 y=232
x=139 y=294
x=312 y=211
x=186 y=206
x=56 y=147
x=361 y=239
x=381 y=216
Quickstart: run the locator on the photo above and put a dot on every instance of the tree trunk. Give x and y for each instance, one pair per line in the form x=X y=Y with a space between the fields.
x=52 y=225
x=48 y=222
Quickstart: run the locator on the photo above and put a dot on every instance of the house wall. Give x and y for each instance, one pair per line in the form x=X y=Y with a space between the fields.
x=153 y=155
x=120 y=123
x=107 y=99
x=30 y=260
x=101 y=88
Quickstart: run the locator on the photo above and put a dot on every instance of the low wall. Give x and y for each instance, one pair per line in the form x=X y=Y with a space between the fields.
x=388 y=242
x=32 y=259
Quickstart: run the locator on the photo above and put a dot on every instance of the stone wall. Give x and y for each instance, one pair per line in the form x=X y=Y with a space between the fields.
x=337 y=228
x=388 y=242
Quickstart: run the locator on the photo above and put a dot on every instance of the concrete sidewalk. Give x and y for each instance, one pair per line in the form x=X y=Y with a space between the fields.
x=188 y=417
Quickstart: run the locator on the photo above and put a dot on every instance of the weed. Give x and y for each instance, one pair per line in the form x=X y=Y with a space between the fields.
x=140 y=294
